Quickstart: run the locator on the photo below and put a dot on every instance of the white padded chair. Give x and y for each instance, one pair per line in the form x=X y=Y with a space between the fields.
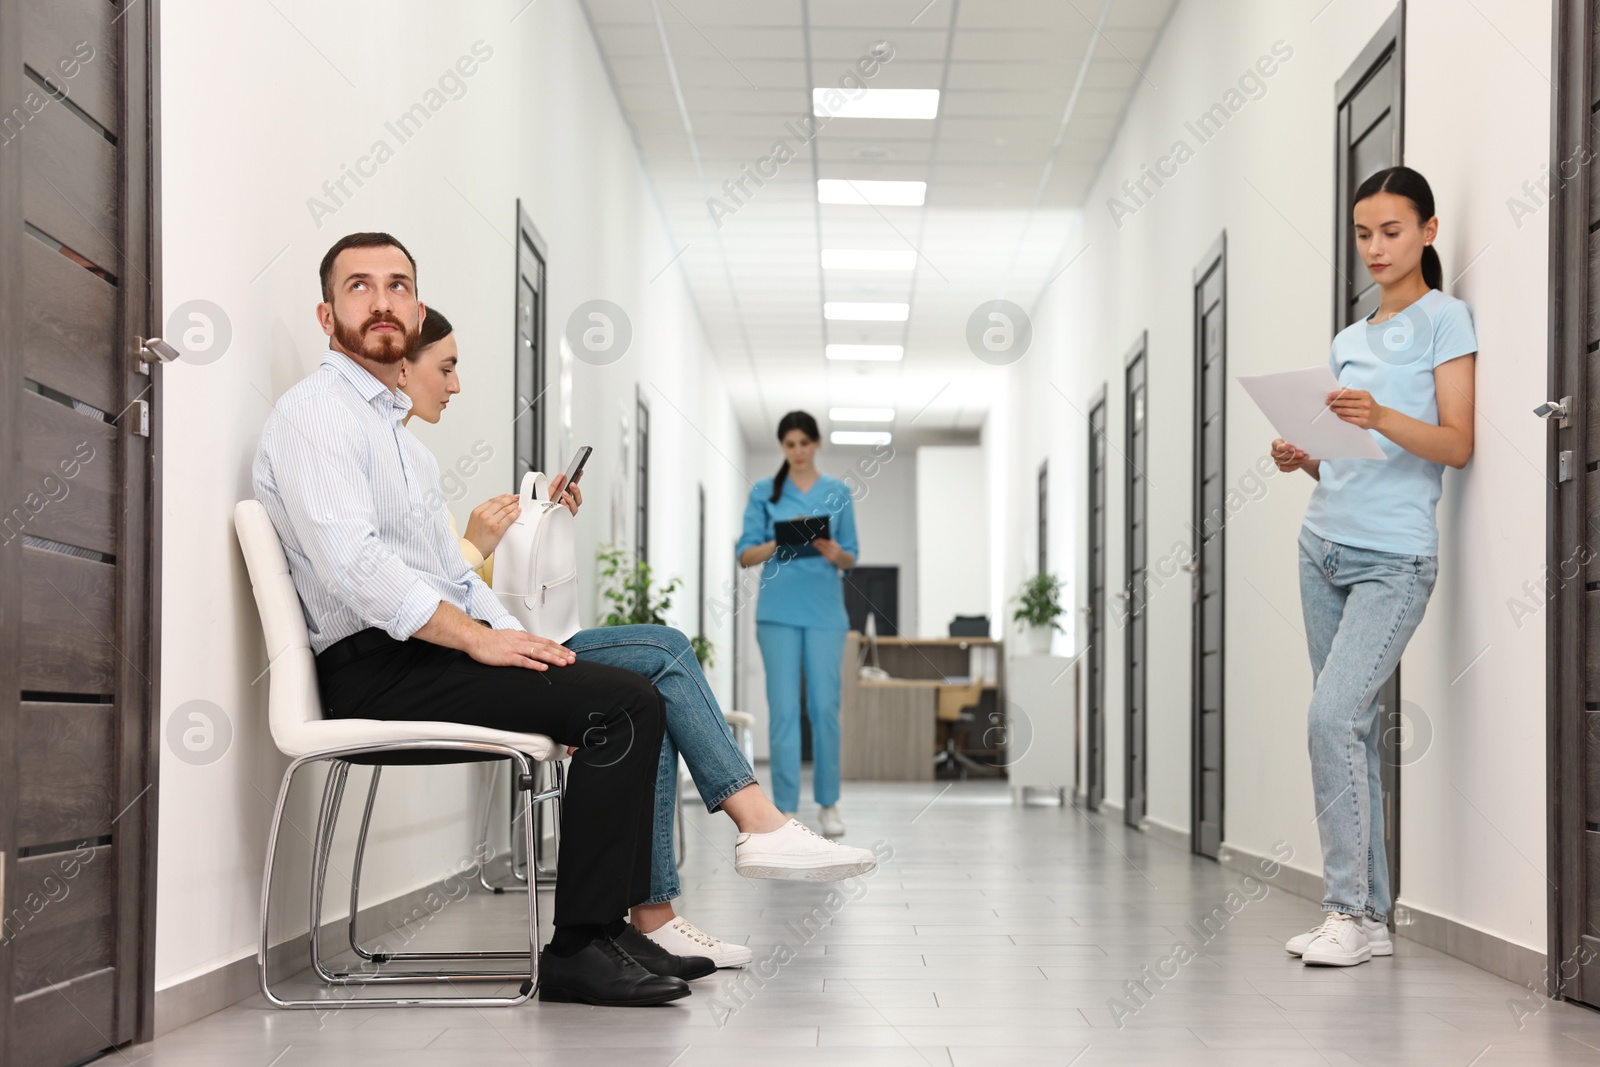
x=301 y=733
x=743 y=725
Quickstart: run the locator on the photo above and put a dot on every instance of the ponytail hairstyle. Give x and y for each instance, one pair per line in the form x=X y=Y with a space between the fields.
x=1403 y=181
x=435 y=328
x=795 y=420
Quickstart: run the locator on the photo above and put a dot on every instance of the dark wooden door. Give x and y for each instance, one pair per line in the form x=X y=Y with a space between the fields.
x=77 y=616
x=1206 y=569
x=641 y=483
x=1094 y=757
x=528 y=362
x=1132 y=596
x=1572 y=632
x=1043 y=497
x=1370 y=128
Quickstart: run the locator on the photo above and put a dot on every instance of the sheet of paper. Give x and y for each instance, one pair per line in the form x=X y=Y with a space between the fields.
x=1295 y=402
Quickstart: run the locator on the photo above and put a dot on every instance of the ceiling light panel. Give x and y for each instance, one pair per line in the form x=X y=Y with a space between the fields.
x=875 y=103
x=865 y=312
x=880 y=193
x=870 y=353
x=868 y=259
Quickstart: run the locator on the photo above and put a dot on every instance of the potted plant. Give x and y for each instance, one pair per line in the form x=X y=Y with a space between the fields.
x=626 y=583
x=1038 y=607
x=703 y=650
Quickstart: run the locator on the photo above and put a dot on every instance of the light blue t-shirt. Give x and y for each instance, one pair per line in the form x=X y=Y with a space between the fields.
x=1388 y=504
x=799 y=587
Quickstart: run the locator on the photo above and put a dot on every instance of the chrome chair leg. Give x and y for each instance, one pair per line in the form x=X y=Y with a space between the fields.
x=355 y=870
x=544 y=874
x=523 y=784
x=490 y=779
x=519 y=855
x=327 y=821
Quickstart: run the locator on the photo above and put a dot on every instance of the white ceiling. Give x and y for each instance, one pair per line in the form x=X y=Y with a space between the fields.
x=709 y=86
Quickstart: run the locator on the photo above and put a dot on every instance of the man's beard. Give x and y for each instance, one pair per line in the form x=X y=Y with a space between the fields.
x=383 y=347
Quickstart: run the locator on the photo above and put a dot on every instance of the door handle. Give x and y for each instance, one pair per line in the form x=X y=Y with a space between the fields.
x=1560 y=410
x=150 y=350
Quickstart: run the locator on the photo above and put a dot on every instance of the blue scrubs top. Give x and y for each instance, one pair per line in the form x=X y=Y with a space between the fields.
x=1388 y=504
x=799 y=587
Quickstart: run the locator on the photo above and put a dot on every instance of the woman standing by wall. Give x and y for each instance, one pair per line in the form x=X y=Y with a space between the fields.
x=1369 y=545
x=800 y=617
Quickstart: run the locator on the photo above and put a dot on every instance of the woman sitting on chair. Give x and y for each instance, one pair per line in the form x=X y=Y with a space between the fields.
x=769 y=844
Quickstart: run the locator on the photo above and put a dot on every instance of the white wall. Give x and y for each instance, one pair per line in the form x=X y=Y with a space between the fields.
x=953 y=534
x=1474 y=828
x=247 y=137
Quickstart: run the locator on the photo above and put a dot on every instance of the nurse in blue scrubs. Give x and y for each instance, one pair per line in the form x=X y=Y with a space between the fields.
x=800 y=616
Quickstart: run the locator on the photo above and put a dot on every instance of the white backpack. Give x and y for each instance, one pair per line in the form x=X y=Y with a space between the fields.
x=536 y=564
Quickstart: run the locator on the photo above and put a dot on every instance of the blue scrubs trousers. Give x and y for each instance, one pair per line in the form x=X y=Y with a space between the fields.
x=786 y=651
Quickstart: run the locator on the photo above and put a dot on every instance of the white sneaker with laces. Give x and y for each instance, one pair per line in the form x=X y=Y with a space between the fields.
x=832 y=821
x=681 y=938
x=1377 y=938
x=1340 y=942
x=798 y=853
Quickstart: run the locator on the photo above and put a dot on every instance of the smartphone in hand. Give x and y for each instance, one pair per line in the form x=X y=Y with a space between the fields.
x=574 y=470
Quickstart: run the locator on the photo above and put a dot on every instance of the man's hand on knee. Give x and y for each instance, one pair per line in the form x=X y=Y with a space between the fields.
x=518 y=648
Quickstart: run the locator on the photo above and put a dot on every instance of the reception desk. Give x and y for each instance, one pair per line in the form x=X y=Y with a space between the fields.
x=887 y=727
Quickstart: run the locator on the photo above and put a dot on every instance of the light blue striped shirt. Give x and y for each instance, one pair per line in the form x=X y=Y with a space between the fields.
x=349 y=502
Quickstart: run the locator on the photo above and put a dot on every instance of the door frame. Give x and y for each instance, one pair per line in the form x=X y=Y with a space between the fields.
x=1094 y=756
x=1215 y=259
x=1388 y=42
x=1567 y=504
x=1139 y=354
x=142 y=38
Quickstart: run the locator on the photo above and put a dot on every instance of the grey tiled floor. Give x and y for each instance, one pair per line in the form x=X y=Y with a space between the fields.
x=995 y=935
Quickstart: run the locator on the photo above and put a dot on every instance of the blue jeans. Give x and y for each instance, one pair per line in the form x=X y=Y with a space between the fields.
x=785 y=652
x=1361 y=607
x=695 y=727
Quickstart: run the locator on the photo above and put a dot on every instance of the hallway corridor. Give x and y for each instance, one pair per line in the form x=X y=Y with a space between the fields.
x=993 y=937
x=1186 y=407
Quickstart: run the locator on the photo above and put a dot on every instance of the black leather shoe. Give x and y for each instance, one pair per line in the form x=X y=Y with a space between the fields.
x=606 y=975
x=657 y=960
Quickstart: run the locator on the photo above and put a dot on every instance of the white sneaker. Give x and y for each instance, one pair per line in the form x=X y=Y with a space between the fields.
x=796 y=852
x=1377 y=938
x=681 y=938
x=832 y=821
x=1339 y=942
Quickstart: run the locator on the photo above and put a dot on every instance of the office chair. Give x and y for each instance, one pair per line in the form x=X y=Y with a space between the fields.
x=958 y=705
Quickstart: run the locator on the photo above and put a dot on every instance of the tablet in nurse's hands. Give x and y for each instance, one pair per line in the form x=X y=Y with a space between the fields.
x=800 y=531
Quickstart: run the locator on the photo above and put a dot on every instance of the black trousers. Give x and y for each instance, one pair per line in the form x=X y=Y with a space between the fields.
x=615 y=718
